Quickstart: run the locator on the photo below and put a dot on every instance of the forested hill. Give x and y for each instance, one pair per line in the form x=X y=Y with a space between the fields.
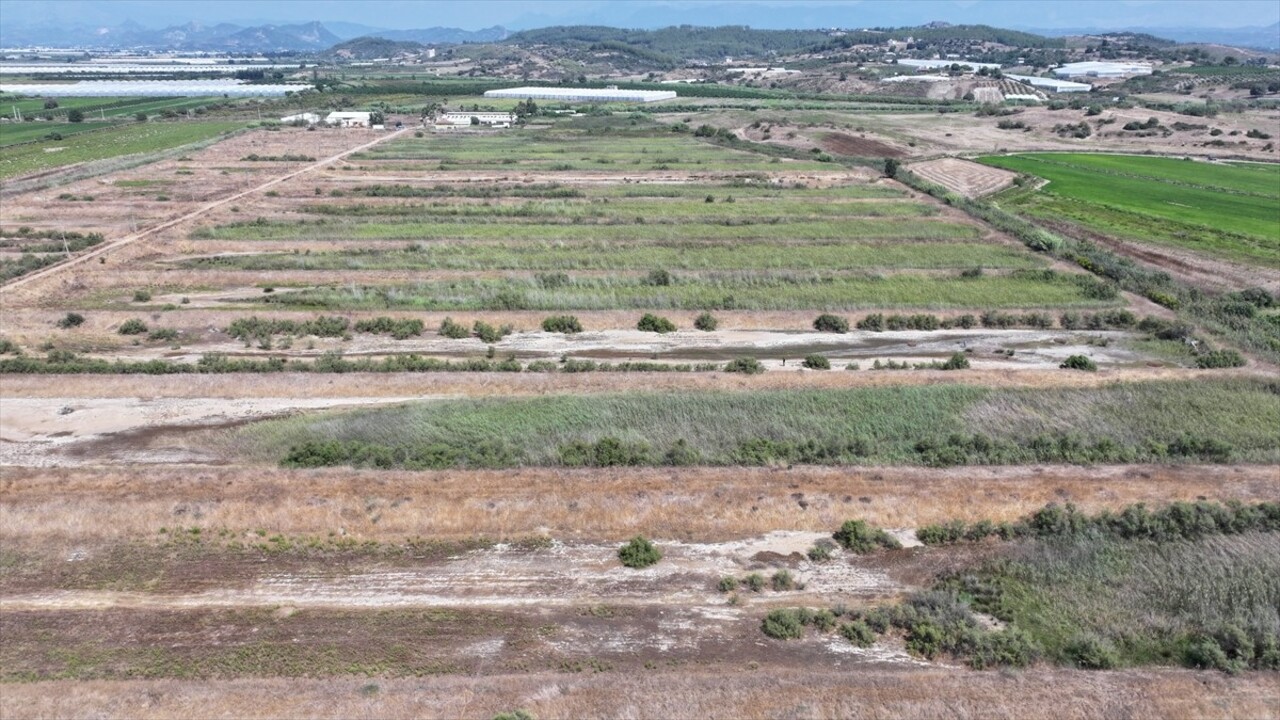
x=679 y=43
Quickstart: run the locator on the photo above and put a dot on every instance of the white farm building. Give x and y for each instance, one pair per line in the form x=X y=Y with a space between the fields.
x=1052 y=85
x=609 y=94
x=1102 y=69
x=491 y=119
x=348 y=119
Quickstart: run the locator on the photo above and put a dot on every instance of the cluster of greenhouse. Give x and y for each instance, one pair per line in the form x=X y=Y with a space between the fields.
x=151 y=88
x=609 y=94
x=133 y=68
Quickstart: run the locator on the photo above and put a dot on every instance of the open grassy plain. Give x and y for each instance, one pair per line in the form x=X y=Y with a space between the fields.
x=363 y=419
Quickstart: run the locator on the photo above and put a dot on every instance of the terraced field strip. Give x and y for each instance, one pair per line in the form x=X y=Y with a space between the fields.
x=203 y=209
x=892 y=425
x=567 y=151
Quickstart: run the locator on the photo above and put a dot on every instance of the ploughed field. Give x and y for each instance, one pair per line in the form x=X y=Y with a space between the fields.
x=389 y=418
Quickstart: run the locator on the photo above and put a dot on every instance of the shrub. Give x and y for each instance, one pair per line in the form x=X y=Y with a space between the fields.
x=745 y=365
x=782 y=580
x=606 y=452
x=817 y=362
x=958 y=361
x=519 y=713
x=489 y=333
x=567 y=324
x=165 y=334
x=859 y=537
x=1091 y=653
x=727 y=584
x=133 y=326
x=141 y=296
x=1079 y=362
x=858 y=633
x=1220 y=359
x=451 y=329
x=753 y=582
x=400 y=329
x=831 y=323
x=658 y=278
x=639 y=553
x=706 y=322
x=71 y=320
x=654 y=323
x=820 y=552
x=783 y=625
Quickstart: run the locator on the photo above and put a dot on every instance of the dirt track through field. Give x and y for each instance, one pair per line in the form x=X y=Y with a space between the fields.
x=203 y=209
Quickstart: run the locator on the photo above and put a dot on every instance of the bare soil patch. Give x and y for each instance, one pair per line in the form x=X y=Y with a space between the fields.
x=844 y=144
x=966 y=178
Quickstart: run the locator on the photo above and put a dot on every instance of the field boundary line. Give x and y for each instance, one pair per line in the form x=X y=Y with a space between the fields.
x=207 y=207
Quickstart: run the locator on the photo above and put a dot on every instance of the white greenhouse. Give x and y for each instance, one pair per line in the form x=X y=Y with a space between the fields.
x=609 y=94
x=150 y=88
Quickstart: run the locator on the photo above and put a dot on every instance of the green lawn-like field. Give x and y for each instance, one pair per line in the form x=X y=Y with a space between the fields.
x=890 y=422
x=17 y=133
x=1229 y=210
x=126 y=140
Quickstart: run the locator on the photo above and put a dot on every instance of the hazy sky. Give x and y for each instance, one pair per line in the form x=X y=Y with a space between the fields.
x=520 y=14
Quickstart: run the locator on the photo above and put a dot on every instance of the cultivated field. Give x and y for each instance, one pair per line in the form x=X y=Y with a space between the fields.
x=362 y=419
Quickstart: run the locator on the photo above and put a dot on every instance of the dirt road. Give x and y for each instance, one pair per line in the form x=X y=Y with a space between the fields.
x=194 y=214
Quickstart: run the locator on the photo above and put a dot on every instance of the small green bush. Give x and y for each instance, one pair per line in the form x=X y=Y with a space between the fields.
x=141 y=296
x=1091 y=653
x=658 y=278
x=958 y=361
x=519 y=714
x=746 y=365
x=1079 y=362
x=753 y=582
x=1220 y=359
x=831 y=324
x=71 y=320
x=654 y=323
x=782 y=580
x=489 y=333
x=706 y=322
x=451 y=329
x=133 y=326
x=783 y=625
x=820 y=552
x=567 y=324
x=727 y=584
x=858 y=633
x=859 y=537
x=639 y=553
x=817 y=362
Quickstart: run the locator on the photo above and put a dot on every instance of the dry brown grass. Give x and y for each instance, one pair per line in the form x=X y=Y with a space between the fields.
x=756 y=692
x=52 y=508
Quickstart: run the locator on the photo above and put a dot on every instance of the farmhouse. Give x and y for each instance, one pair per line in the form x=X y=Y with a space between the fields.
x=1102 y=69
x=1051 y=85
x=490 y=119
x=348 y=119
x=609 y=94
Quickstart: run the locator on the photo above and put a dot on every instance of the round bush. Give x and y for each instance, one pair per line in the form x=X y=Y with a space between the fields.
x=817 y=362
x=746 y=365
x=567 y=324
x=831 y=324
x=706 y=322
x=133 y=326
x=639 y=553
x=653 y=323
x=1079 y=362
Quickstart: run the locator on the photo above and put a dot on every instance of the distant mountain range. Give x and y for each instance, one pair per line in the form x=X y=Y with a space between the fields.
x=316 y=36
x=1263 y=38
x=226 y=37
